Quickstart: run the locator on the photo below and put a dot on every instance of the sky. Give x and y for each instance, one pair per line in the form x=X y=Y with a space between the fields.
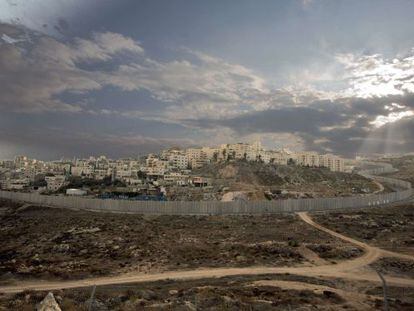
x=128 y=77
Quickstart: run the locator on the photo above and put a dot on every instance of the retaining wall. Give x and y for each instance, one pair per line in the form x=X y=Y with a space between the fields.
x=225 y=208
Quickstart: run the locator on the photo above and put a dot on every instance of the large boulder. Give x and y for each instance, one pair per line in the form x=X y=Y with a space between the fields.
x=48 y=304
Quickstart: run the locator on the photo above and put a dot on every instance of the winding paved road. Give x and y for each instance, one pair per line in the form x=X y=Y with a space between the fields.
x=355 y=269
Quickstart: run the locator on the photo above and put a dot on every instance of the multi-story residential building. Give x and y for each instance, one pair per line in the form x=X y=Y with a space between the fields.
x=156 y=171
x=178 y=161
x=100 y=174
x=54 y=183
x=211 y=153
x=59 y=168
x=9 y=164
x=151 y=160
x=21 y=161
x=249 y=152
x=82 y=171
x=264 y=156
x=15 y=184
x=333 y=162
x=196 y=157
x=177 y=178
x=155 y=166
x=307 y=159
x=278 y=157
x=123 y=172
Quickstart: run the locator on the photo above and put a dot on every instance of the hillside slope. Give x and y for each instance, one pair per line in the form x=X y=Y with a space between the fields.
x=260 y=181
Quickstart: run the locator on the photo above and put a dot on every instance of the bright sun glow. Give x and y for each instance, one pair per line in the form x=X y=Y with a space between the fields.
x=391 y=118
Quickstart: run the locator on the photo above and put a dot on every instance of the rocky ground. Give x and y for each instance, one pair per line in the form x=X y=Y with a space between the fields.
x=50 y=243
x=261 y=181
x=395 y=267
x=44 y=243
x=390 y=228
x=271 y=292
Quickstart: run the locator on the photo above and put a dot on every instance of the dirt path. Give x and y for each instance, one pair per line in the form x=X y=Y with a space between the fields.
x=355 y=269
x=380 y=187
x=358 y=301
x=371 y=252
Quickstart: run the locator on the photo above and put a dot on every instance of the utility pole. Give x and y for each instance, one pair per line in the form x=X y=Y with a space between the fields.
x=92 y=298
x=385 y=290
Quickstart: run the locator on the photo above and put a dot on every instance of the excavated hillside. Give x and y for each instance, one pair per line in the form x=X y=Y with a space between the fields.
x=405 y=166
x=268 y=181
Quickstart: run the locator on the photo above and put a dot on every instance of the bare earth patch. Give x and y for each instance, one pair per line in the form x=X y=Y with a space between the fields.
x=39 y=242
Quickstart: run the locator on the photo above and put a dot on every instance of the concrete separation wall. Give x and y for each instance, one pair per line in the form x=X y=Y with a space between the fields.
x=226 y=208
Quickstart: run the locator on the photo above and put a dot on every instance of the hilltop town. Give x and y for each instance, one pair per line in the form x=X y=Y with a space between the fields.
x=186 y=174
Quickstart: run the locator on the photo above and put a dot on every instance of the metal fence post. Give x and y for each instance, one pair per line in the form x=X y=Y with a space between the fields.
x=385 y=290
x=92 y=298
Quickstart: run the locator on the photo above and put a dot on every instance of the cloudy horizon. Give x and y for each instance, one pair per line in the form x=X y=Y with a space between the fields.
x=124 y=78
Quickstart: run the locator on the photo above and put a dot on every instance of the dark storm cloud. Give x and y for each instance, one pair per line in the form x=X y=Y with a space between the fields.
x=52 y=136
x=334 y=76
x=341 y=126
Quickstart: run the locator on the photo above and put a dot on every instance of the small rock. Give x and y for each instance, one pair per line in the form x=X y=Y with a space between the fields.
x=27 y=298
x=173 y=292
x=147 y=294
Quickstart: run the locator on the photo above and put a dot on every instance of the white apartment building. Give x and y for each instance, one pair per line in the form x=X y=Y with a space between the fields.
x=21 y=161
x=196 y=157
x=178 y=161
x=100 y=174
x=58 y=168
x=333 y=162
x=156 y=171
x=177 y=178
x=210 y=152
x=265 y=156
x=307 y=158
x=243 y=151
x=151 y=160
x=155 y=166
x=122 y=173
x=82 y=170
x=279 y=157
x=14 y=184
x=32 y=172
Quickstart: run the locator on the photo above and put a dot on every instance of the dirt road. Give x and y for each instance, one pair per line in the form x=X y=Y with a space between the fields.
x=355 y=269
x=380 y=186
